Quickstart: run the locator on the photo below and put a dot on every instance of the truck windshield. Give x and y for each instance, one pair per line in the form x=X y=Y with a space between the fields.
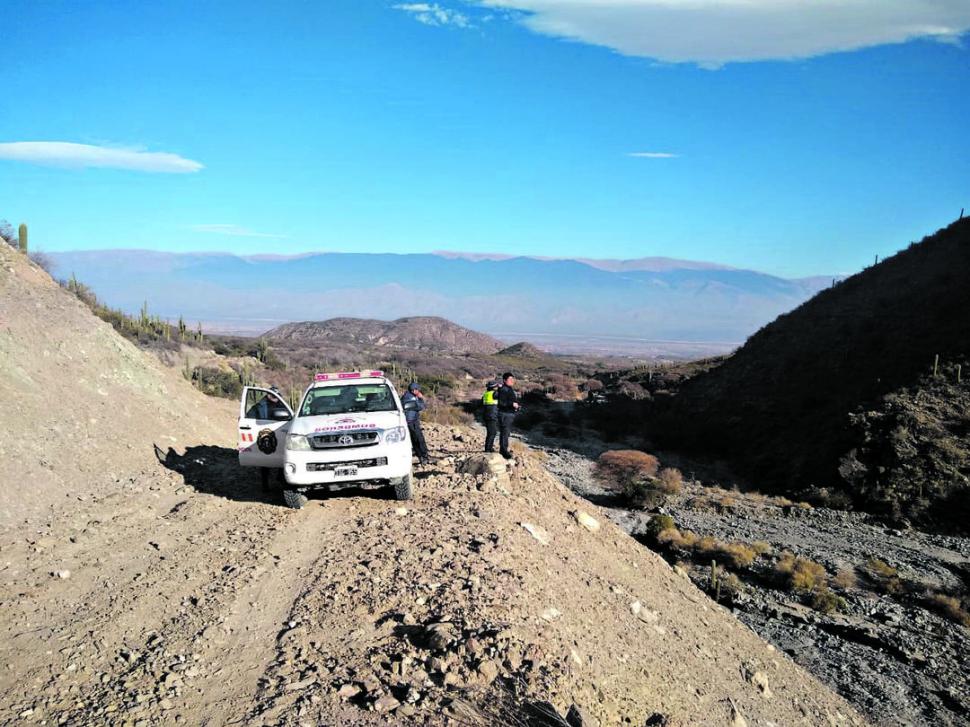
x=347 y=399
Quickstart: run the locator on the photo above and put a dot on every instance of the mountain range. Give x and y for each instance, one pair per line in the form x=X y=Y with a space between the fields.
x=513 y=298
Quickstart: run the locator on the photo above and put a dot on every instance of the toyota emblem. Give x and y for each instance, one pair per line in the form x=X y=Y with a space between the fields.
x=346 y=440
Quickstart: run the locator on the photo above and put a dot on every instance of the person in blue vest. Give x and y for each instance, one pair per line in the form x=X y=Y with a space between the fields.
x=413 y=403
x=490 y=414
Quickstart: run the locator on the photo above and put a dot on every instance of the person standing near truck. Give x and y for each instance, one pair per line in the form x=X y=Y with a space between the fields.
x=413 y=403
x=490 y=414
x=508 y=406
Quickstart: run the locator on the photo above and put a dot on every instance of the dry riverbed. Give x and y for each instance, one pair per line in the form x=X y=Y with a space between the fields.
x=895 y=658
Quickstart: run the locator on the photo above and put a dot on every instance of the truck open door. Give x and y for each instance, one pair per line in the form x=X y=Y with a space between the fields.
x=264 y=420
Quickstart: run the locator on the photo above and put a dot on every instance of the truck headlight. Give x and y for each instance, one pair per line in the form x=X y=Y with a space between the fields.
x=395 y=435
x=297 y=442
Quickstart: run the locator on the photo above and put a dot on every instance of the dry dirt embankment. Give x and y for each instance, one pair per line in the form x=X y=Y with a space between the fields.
x=181 y=593
x=80 y=402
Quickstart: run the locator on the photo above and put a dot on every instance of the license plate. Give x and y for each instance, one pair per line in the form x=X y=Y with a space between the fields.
x=345 y=472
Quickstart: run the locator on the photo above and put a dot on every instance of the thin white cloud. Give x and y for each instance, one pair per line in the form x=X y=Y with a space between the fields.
x=68 y=154
x=653 y=155
x=435 y=14
x=234 y=230
x=711 y=33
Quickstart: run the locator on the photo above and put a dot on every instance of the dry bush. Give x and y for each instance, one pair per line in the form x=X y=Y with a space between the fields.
x=949 y=607
x=824 y=601
x=741 y=555
x=439 y=413
x=632 y=473
x=726 y=502
x=673 y=538
x=671 y=480
x=845 y=579
x=801 y=574
x=761 y=547
x=737 y=555
x=731 y=585
x=624 y=465
x=884 y=576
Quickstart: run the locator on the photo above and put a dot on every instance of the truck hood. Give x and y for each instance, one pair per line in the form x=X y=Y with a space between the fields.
x=332 y=423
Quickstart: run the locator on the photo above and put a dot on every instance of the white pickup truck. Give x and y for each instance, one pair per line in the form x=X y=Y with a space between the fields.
x=349 y=430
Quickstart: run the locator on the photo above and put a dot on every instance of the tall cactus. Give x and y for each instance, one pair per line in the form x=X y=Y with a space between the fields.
x=22 y=236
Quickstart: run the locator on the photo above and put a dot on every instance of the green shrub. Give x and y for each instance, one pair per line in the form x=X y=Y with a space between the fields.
x=217 y=382
x=657 y=524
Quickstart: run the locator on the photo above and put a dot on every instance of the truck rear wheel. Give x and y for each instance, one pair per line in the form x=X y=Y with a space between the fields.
x=294 y=499
x=402 y=488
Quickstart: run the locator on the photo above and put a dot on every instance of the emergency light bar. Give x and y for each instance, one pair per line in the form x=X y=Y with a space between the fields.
x=348 y=375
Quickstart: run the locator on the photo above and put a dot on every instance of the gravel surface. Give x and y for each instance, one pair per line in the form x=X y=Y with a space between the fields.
x=896 y=661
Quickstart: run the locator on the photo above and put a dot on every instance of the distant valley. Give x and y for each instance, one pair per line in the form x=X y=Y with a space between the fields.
x=651 y=305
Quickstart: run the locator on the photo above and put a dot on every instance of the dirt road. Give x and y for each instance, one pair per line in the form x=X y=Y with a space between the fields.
x=190 y=597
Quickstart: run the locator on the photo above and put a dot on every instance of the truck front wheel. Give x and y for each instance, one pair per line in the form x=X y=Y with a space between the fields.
x=294 y=499
x=402 y=488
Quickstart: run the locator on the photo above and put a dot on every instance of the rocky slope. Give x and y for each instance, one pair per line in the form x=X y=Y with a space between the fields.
x=847 y=391
x=425 y=333
x=182 y=593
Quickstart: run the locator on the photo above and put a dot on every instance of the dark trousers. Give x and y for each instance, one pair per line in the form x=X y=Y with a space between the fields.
x=418 y=445
x=505 y=420
x=491 y=429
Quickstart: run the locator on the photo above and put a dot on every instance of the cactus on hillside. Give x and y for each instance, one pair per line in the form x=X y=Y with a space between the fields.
x=22 y=236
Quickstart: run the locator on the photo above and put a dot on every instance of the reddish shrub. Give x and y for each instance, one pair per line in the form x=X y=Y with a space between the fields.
x=619 y=468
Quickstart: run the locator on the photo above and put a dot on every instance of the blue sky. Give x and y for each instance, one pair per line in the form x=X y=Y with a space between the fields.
x=761 y=134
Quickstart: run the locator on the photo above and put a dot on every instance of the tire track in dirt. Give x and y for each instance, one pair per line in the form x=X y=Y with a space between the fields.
x=155 y=618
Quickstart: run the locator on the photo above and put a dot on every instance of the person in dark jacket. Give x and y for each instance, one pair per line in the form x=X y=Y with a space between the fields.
x=490 y=414
x=413 y=403
x=508 y=406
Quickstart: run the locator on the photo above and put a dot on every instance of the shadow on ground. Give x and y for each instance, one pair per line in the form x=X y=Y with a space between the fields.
x=216 y=471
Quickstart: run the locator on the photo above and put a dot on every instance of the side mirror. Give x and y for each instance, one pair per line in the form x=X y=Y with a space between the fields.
x=280 y=415
x=410 y=405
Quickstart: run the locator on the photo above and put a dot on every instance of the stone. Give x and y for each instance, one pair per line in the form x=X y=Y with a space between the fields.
x=488 y=670
x=302 y=684
x=737 y=719
x=440 y=635
x=401 y=511
x=348 y=691
x=550 y=614
x=387 y=703
x=760 y=680
x=536 y=532
x=587 y=521
x=579 y=717
x=166 y=704
x=63 y=574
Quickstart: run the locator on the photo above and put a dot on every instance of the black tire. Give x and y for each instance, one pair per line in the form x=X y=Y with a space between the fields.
x=295 y=499
x=402 y=489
